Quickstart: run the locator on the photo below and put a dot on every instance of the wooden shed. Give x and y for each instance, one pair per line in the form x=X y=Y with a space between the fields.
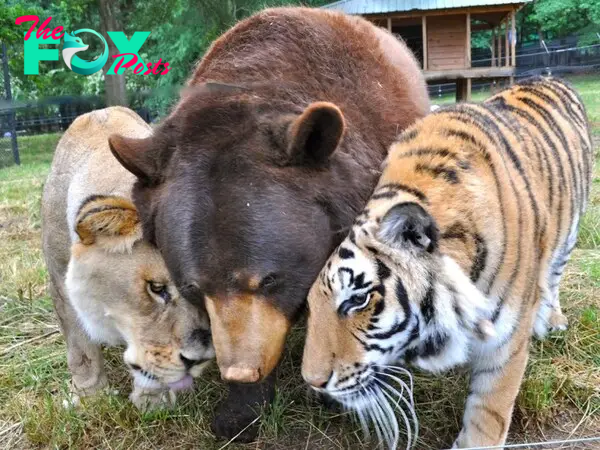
x=439 y=33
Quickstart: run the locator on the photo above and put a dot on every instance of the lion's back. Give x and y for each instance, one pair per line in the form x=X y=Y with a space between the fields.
x=82 y=166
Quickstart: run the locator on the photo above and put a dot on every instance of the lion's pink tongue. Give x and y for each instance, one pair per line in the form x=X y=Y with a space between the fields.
x=185 y=383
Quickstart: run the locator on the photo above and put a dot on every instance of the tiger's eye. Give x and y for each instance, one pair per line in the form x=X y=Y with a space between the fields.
x=359 y=299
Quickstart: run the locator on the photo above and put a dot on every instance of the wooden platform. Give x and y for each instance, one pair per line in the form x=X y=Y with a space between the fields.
x=466 y=74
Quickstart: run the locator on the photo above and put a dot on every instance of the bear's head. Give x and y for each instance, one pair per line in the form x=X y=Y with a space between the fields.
x=245 y=196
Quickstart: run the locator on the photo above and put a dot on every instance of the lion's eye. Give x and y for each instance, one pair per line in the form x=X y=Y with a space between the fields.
x=159 y=290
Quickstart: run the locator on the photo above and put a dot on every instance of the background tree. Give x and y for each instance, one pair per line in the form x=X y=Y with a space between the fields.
x=114 y=85
x=558 y=18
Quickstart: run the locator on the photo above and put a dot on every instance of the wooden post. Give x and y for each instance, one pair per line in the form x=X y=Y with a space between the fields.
x=493 y=47
x=424 y=29
x=468 y=43
x=507 y=63
x=389 y=24
x=499 y=43
x=463 y=90
x=514 y=39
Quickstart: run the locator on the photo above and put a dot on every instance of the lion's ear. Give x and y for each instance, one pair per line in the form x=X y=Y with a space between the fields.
x=109 y=221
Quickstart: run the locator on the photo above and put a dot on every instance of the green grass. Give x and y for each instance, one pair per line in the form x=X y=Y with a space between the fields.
x=560 y=393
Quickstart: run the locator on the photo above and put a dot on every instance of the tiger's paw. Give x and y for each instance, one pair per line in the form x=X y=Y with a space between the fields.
x=459 y=442
x=558 y=321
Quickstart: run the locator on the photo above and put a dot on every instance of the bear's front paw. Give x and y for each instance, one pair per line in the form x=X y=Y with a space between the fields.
x=239 y=423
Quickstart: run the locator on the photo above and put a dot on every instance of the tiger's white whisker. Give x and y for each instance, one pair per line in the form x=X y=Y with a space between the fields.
x=363 y=423
x=392 y=388
x=404 y=387
x=385 y=419
x=403 y=371
x=392 y=420
x=371 y=413
x=410 y=391
x=411 y=409
x=378 y=419
x=402 y=384
x=404 y=416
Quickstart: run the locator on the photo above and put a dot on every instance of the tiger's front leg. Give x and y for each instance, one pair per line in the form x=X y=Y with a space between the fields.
x=495 y=382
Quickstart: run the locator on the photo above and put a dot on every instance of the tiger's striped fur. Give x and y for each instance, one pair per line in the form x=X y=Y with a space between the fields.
x=458 y=255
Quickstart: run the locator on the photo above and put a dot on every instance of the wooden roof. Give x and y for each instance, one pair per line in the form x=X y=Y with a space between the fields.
x=365 y=7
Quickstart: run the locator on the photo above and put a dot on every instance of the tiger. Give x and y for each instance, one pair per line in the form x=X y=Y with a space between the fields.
x=457 y=257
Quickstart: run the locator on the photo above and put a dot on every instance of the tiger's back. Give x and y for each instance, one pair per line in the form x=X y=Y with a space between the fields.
x=458 y=255
x=507 y=182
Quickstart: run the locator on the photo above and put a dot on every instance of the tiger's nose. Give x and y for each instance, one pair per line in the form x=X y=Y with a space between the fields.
x=318 y=381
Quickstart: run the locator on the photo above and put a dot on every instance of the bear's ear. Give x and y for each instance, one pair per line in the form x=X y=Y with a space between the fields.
x=409 y=226
x=315 y=134
x=109 y=221
x=139 y=156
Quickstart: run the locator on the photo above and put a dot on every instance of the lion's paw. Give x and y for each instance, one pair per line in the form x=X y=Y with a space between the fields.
x=150 y=400
x=75 y=394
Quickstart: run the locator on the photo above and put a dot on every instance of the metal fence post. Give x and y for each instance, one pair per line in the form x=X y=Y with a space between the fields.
x=11 y=113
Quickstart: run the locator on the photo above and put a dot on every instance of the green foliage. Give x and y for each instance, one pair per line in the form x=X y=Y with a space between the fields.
x=9 y=33
x=559 y=18
x=181 y=31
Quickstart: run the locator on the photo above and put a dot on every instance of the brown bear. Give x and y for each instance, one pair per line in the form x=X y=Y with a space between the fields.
x=259 y=170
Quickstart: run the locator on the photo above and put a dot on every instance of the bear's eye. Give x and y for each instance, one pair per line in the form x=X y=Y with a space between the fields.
x=159 y=290
x=269 y=282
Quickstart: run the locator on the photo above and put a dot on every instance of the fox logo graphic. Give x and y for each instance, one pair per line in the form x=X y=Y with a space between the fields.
x=75 y=45
x=71 y=46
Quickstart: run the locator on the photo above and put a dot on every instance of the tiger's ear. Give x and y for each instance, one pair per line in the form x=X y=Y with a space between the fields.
x=315 y=134
x=408 y=225
x=109 y=221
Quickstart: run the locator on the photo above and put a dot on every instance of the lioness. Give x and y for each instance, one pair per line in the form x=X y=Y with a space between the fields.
x=109 y=286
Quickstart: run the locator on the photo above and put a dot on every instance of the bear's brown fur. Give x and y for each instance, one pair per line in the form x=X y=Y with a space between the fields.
x=252 y=180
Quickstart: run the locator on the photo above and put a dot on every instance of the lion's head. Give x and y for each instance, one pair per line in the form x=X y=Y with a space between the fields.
x=121 y=289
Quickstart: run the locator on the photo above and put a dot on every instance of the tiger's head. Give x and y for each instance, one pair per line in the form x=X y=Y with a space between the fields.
x=388 y=295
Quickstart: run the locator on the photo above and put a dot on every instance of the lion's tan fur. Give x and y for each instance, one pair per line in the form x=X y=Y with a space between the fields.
x=99 y=266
